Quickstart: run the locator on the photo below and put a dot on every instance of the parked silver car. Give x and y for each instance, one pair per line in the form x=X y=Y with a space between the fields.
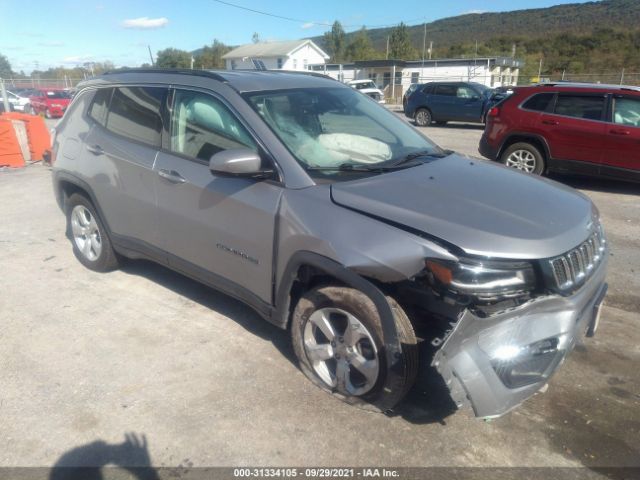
x=335 y=219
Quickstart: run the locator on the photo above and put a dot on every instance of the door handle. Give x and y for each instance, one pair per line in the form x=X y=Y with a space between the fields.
x=95 y=149
x=620 y=131
x=171 y=175
x=550 y=122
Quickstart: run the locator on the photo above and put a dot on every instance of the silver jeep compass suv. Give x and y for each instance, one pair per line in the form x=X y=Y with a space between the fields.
x=337 y=220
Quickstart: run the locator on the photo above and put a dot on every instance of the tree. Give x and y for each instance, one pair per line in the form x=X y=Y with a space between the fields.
x=400 y=47
x=211 y=56
x=361 y=48
x=173 y=58
x=255 y=38
x=335 y=42
x=5 y=67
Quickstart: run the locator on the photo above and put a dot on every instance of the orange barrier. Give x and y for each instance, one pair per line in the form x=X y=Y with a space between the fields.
x=10 y=154
x=39 y=137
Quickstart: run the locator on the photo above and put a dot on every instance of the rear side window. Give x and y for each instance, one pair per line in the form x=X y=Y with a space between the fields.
x=539 y=102
x=98 y=108
x=580 y=106
x=135 y=113
x=446 y=90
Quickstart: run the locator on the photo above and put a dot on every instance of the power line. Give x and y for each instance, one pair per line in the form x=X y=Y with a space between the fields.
x=298 y=20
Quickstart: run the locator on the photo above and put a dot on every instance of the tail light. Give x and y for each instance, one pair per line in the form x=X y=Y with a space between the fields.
x=493 y=112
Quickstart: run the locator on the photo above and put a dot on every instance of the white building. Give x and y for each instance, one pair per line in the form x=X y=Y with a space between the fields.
x=292 y=55
x=490 y=71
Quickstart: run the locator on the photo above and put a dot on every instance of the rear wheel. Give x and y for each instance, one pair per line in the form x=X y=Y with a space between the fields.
x=423 y=117
x=337 y=337
x=91 y=243
x=524 y=156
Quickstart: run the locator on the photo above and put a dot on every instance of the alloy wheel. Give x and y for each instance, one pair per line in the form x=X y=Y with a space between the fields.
x=342 y=351
x=522 y=160
x=86 y=233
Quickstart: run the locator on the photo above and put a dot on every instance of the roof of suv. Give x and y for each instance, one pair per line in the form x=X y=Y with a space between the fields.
x=241 y=80
x=593 y=87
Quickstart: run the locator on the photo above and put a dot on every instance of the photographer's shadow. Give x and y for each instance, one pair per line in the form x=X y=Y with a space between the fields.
x=88 y=461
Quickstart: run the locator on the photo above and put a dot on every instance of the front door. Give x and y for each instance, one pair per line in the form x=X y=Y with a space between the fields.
x=622 y=145
x=219 y=228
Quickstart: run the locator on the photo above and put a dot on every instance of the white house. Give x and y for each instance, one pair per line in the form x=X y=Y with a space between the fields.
x=291 y=55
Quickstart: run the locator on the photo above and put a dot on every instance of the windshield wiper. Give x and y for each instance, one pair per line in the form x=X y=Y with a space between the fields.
x=350 y=167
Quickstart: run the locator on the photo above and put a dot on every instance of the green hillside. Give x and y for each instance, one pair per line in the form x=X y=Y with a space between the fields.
x=587 y=37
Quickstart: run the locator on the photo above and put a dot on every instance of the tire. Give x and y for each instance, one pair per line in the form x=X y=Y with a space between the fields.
x=360 y=359
x=422 y=117
x=47 y=113
x=525 y=157
x=91 y=243
x=28 y=109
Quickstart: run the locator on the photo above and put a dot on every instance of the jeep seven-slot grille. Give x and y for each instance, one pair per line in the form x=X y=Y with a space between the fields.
x=574 y=267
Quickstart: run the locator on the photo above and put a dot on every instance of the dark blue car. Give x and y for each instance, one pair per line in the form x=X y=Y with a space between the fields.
x=441 y=102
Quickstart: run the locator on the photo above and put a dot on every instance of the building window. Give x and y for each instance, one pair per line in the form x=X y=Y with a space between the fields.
x=386 y=79
x=280 y=62
x=373 y=77
x=398 y=78
x=295 y=63
x=233 y=64
x=305 y=63
x=415 y=77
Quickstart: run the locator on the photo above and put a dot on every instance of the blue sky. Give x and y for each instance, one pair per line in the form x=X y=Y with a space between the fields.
x=70 y=32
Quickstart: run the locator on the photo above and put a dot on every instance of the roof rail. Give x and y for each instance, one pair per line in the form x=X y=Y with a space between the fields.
x=588 y=85
x=299 y=72
x=179 y=71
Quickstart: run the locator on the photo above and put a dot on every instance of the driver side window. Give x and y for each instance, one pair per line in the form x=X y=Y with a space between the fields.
x=202 y=126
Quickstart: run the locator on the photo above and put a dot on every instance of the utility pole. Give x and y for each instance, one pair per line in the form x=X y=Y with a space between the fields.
x=192 y=60
x=424 y=44
x=5 y=98
x=151 y=55
x=622 y=77
x=540 y=69
x=387 y=47
x=430 y=49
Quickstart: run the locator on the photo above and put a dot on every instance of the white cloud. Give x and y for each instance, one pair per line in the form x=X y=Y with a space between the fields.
x=51 y=43
x=145 y=22
x=473 y=12
x=77 y=59
x=307 y=25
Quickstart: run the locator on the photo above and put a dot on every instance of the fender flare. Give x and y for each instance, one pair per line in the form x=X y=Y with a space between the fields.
x=535 y=136
x=60 y=176
x=281 y=314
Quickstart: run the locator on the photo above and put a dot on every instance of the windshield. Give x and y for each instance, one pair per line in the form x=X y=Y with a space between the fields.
x=363 y=85
x=328 y=128
x=57 y=94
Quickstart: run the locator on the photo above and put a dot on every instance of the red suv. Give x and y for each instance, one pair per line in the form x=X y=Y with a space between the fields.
x=569 y=128
x=51 y=102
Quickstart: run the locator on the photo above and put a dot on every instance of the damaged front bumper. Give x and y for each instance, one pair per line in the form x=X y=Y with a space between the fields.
x=498 y=362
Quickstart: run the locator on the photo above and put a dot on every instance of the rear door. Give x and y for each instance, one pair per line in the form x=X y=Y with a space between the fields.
x=120 y=151
x=622 y=146
x=220 y=228
x=575 y=130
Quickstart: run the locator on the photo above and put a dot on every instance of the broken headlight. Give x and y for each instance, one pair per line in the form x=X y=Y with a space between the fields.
x=484 y=280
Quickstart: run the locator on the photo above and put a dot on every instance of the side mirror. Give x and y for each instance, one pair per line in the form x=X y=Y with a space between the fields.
x=238 y=162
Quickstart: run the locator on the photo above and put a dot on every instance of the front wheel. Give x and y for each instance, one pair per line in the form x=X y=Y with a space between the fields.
x=337 y=337
x=524 y=156
x=423 y=117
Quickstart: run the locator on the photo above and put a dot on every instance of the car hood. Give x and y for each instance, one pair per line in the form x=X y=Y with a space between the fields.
x=483 y=208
